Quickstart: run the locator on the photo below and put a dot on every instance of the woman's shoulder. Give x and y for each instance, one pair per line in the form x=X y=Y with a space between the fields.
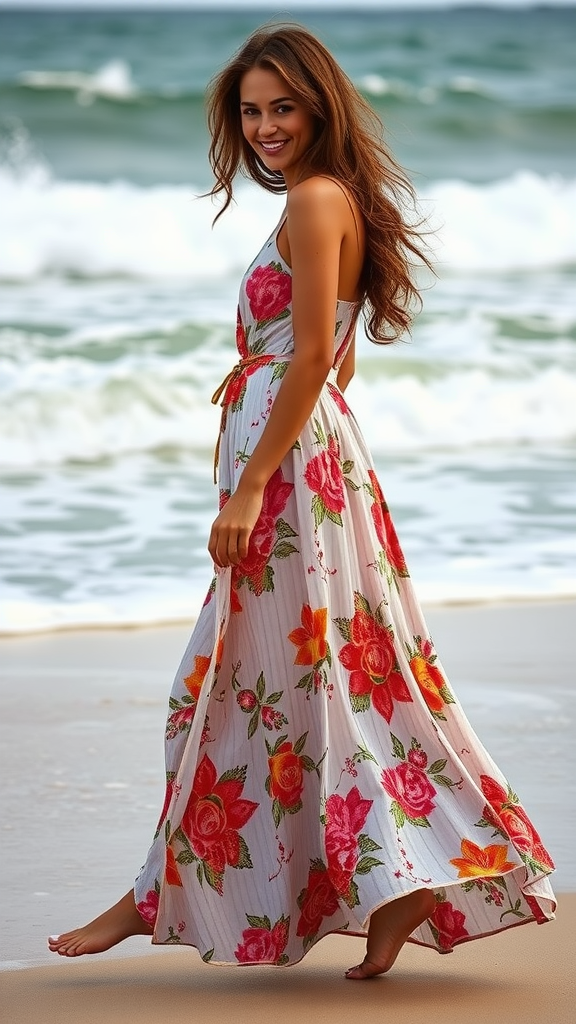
x=321 y=195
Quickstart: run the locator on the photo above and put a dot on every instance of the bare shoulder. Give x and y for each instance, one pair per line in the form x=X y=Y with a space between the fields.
x=320 y=198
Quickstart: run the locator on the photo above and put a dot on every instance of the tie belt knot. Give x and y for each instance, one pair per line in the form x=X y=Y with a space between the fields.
x=227 y=392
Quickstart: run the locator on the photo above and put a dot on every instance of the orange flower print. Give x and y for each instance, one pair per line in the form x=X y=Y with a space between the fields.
x=431 y=682
x=481 y=862
x=286 y=776
x=310 y=638
x=285 y=783
x=313 y=650
x=193 y=682
x=172 y=873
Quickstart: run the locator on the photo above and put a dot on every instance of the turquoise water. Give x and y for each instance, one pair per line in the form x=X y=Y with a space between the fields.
x=117 y=304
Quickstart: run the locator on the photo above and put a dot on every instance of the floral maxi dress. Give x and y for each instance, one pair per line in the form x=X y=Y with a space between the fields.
x=318 y=763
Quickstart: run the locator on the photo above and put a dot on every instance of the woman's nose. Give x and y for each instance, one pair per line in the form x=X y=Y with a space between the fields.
x=267 y=125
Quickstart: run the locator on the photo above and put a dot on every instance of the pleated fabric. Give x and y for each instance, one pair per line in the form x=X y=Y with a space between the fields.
x=318 y=762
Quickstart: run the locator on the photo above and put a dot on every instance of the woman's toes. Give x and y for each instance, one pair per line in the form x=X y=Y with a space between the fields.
x=367 y=969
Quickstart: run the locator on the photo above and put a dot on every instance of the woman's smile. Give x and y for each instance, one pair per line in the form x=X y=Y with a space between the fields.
x=269 y=106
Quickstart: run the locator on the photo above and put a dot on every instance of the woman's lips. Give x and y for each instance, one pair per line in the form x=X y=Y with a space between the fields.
x=273 y=147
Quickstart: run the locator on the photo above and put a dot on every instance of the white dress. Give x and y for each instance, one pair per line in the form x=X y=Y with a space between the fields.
x=318 y=762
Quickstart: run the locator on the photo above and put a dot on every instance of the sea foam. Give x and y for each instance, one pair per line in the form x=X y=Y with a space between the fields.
x=83 y=229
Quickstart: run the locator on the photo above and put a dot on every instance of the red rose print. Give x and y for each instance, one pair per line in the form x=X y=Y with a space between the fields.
x=503 y=811
x=263 y=945
x=323 y=474
x=269 y=291
x=370 y=658
x=417 y=757
x=449 y=923
x=247 y=700
x=385 y=528
x=318 y=900
x=214 y=814
x=179 y=720
x=263 y=536
x=167 y=798
x=241 y=344
x=345 y=819
x=172 y=872
x=495 y=794
x=286 y=776
x=148 y=907
x=338 y=397
x=411 y=788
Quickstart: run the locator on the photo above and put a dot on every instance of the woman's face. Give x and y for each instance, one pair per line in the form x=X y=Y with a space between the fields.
x=275 y=122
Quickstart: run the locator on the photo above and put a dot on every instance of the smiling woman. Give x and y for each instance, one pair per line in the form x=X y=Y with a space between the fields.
x=280 y=129
x=268 y=842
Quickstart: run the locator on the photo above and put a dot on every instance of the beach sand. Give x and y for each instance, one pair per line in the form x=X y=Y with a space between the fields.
x=81 y=724
x=524 y=976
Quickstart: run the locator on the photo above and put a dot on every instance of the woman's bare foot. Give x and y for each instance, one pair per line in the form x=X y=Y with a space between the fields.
x=114 y=925
x=389 y=928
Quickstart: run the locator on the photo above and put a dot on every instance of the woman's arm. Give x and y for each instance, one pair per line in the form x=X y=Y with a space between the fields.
x=317 y=220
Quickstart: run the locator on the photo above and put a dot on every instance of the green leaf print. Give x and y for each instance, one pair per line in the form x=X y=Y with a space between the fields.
x=359 y=702
x=365 y=865
x=318 y=510
x=437 y=766
x=443 y=780
x=260 y=687
x=244 y=860
x=279 y=371
x=259 y=922
x=207 y=956
x=186 y=857
x=367 y=845
x=397 y=747
x=234 y=775
x=300 y=743
x=334 y=517
x=283 y=548
x=344 y=628
x=283 y=529
x=397 y=813
x=276 y=811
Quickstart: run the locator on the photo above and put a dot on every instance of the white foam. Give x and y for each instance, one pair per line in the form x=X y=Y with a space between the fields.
x=70 y=408
x=113 y=80
x=525 y=222
x=51 y=227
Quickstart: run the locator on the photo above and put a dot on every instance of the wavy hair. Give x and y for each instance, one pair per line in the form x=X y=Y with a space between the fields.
x=348 y=146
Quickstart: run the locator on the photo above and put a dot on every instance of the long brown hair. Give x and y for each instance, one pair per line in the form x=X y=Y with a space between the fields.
x=348 y=146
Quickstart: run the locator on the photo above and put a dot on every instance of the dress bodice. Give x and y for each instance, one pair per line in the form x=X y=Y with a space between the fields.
x=265 y=308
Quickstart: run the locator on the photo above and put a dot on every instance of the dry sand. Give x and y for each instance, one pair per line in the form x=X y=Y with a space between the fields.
x=81 y=722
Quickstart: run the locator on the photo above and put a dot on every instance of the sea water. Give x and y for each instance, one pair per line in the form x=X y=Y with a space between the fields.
x=117 y=304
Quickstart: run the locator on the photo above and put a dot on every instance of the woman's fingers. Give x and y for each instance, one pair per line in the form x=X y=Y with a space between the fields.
x=228 y=546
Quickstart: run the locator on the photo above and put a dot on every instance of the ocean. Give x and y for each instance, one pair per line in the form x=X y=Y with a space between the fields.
x=117 y=304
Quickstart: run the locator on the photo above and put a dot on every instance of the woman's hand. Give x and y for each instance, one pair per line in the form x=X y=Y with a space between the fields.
x=230 y=533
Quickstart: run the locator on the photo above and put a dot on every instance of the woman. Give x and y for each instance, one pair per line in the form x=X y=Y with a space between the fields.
x=321 y=775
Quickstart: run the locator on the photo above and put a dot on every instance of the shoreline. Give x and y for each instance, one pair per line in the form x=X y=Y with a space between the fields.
x=189 y=621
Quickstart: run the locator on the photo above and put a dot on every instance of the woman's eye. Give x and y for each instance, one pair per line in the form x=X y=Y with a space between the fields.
x=283 y=110
x=250 y=111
